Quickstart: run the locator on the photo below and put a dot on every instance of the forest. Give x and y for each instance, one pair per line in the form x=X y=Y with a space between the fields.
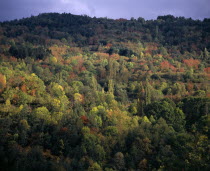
x=87 y=93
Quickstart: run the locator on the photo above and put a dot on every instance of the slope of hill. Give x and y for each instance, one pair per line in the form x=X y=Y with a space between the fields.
x=82 y=93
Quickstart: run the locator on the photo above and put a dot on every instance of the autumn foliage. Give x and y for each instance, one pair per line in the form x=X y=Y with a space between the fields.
x=207 y=70
x=165 y=65
x=83 y=93
x=191 y=63
x=2 y=82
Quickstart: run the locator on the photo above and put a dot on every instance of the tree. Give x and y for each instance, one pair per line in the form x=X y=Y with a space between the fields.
x=119 y=162
x=94 y=83
x=78 y=98
x=143 y=164
x=195 y=108
x=141 y=100
x=43 y=114
x=111 y=86
x=147 y=93
x=3 y=82
x=56 y=89
x=163 y=51
x=206 y=54
x=95 y=167
x=111 y=131
x=167 y=110
x=53 y=60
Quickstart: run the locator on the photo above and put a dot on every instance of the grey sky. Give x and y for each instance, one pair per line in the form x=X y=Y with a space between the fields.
x=148 y=9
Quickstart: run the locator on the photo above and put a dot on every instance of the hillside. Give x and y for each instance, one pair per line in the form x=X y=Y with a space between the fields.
x=82 y=93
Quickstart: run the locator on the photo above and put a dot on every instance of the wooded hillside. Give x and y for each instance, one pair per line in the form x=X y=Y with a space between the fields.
x=82 y=93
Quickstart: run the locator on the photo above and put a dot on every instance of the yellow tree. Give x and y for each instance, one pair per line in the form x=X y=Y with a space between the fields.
x=3 y=82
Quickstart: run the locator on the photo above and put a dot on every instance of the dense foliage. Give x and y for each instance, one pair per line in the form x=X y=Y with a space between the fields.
x=81 y=93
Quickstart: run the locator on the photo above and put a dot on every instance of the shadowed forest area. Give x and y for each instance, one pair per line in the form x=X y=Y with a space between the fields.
x=82 y=93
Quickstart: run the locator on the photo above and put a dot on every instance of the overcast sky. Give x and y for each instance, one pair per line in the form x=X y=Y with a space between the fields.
x=148 y=9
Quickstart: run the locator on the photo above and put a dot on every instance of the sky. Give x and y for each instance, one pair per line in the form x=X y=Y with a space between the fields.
x=148 y=9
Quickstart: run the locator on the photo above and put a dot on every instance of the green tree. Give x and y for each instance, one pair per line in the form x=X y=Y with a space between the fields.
x=119 y=161
x=43 y=114
x=95 y=167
